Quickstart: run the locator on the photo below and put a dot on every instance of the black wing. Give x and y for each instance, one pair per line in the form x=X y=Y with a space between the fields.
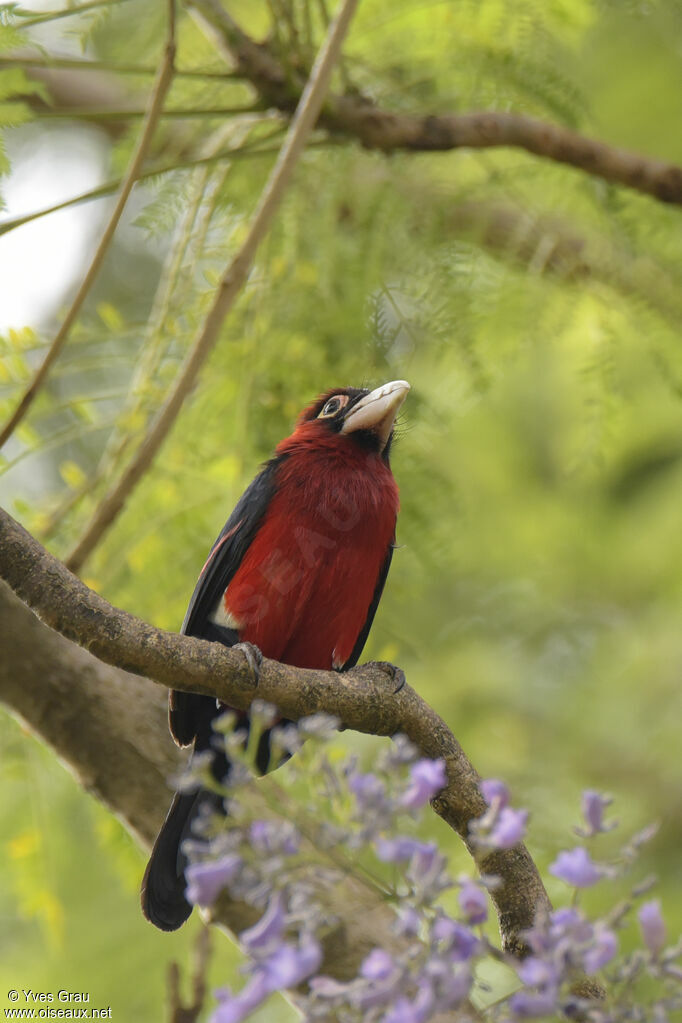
x=229 y=549
x=189 y=713
x=379 y=589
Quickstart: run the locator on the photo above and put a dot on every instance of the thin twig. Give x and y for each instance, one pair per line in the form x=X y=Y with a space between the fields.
x=65 y=12
x=111 y=114
x=163 y=81
x=71 y=432
x=51 y=62
x=230 y=285
x=178 y=1012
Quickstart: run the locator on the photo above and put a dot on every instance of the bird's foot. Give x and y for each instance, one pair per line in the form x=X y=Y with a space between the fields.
x=254 y=659
x=395 y=674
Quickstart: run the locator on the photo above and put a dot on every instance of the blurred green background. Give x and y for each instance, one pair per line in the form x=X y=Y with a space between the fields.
x=536 y=598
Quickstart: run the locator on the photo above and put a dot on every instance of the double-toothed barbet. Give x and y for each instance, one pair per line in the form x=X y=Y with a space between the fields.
x=297 y=573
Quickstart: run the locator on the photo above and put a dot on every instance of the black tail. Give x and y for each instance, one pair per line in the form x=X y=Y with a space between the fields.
x=163 y=885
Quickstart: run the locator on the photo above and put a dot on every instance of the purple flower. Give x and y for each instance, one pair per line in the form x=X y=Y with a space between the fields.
x=371 y=994
x=544 y=977
x=576 y=868
x=391 y=850
x=604 y=948
x=290 y=964
x=565 y=918
x=424 y=1001
x=559 y=929
x=652 y=925
x=500 y=826
x=319 y=726
x=427 y=872
x=509 y=828
x=534 y=1003
x=593 y=807
x=409 y=921
x=567 y=940
x=276 y=836
x=400 y=752
x=234 y=1008
x=455 y=937
x=495 y=792
x=451 y=985
x=259 y=834
x=426 y=860
x=473 y=903
x=369 y=791
x=378 y=965
x=427 y=777
x=569 y=928
x=205 y=881
x=327 y=987
x=268 y=928
x=403 y=1011
x=535 y=972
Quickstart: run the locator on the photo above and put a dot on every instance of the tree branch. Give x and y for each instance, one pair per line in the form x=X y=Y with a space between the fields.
x=110 y=729
x=375 y=128
x=364 y=698
x=228 y=289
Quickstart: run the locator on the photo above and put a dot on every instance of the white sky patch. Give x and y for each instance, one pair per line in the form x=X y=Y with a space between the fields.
x=41 y=259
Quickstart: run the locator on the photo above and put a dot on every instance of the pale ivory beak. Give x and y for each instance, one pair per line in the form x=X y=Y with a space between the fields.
x=377 y=410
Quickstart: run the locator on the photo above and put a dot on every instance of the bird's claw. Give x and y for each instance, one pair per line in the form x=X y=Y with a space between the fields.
x=254 y=659
x=397 y=675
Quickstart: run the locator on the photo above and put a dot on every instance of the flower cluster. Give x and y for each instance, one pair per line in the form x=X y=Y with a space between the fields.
x=366 y=825
x=500 y=827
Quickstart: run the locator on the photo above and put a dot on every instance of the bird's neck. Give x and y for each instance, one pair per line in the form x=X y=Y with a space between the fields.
x=334 y=474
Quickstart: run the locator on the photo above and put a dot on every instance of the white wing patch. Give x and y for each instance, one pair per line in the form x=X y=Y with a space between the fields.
x=223 y=616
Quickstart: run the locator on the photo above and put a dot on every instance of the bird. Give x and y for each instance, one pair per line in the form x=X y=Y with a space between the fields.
x=296 y=576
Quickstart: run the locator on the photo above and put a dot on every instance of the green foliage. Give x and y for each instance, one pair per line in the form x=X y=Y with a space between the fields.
x=15 y=88
x=535 y=310
x=69 y=900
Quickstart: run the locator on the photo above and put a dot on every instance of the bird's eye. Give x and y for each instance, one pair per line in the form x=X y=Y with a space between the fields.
x=333 y=406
